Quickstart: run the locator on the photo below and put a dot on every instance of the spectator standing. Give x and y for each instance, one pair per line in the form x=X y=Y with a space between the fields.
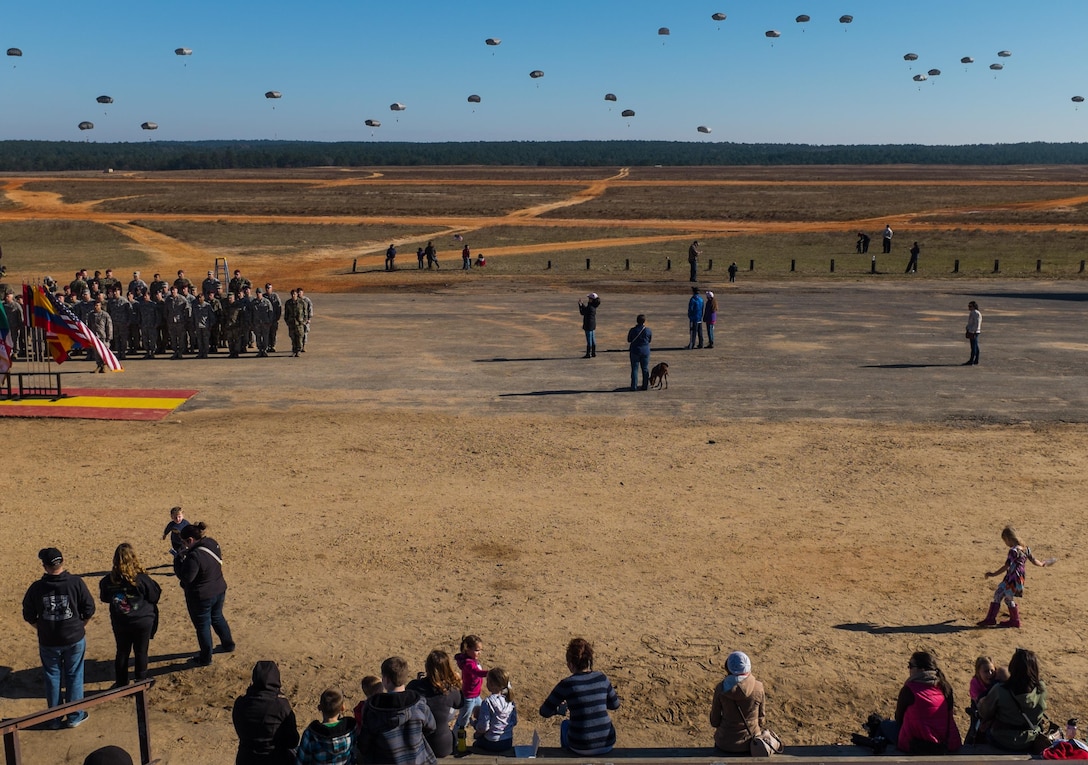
x=589 y=322
x=133 y=599
x=695 y=319
x=887 y=238
x=59 y=605
x=710 y=317
x=638 y=338
x=912 y=264
x=693 y=261
x=466 y=259
x=974 y=329
x=390 y=257
x=733 y=272
x=199 y=569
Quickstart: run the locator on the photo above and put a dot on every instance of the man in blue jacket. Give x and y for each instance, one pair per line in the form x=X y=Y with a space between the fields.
x=59 y=605
x=695 y=319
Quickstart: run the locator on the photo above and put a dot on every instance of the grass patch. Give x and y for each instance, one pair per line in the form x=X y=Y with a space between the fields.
x=33 y=249
x=278 y=236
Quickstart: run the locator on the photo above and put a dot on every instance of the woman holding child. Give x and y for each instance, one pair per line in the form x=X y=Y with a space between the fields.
x=1015 y=709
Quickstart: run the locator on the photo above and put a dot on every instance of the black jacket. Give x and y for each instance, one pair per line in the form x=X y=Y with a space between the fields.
x=441 y=704
x=136 y=604
x=264 y=721
x=58 y=605
x=589 y=314
x=200 y=570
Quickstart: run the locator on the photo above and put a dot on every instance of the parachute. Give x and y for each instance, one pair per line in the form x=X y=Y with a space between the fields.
x=86 y=126
x=397 y=107
x=910 y=57
x=703 y=129
x=627 y=113
x=920 y=78
x=772 y=33
x=104 y=100
x=934 y=72
x=493 y=41
x=610 y=97
x=663 y=31
x=183 y=51
x=273 y=94
x=536 y=74
x=14 y=52
x=967 y=60
x=846 y=19
x=1078 y=99
x=803 y=19
x=150 y=126
x=1004 y=53
x=718 y=16
x=997 y=67
x=372 y=123
x=474 y=99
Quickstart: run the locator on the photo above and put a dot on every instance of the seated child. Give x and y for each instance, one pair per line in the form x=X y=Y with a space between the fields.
x=497 y=715
x=395 y=722
x=370 y=686
x=330 y=739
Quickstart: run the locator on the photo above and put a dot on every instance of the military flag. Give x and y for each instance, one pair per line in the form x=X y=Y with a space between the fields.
x=63 y=331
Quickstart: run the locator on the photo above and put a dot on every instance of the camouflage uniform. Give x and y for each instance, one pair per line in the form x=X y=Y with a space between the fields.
x=294 y=315
x=308 y=309
x=101 y=326
x=203 y=321
x=120 y=311
x=277 y=314
x=14 y=313
x=261 y=310
x=147 y=311
x=177 y=320
x=235 y=321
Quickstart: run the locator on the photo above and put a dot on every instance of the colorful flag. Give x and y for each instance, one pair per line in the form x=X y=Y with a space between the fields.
x=63 y=331
x=6 y=345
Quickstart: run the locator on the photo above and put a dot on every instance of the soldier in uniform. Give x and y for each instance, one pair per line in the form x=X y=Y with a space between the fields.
x=203 y=321
x=177 y=321
x=158 y=286
x=190 y=334
x=120 y=311
x=182 y=282
x=101 y=325
x=109 y=282
x=78 y=285
x=210 y=285
x=238 y=283
x=235 y=320
x=14 y=313
x=160 y=306
x=147 y=312
x=261 y=310
x=277 y=314
x=308 y=312
x=137 y=286
x=219 y=335
x=294 y=315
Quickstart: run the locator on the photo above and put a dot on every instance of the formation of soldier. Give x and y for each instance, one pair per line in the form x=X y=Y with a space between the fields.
x=179 y=318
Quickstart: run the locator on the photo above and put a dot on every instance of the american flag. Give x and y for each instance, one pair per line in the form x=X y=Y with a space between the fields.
x=63 y=330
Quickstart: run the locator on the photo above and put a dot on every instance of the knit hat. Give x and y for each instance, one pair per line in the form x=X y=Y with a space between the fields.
x=738 y=663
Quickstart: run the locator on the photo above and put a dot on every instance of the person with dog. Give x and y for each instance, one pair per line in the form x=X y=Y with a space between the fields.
x=589 y=322
x=695 y=318
x=639 y=337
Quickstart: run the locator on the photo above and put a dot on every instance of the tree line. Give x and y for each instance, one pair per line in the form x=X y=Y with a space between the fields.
x=55 y=156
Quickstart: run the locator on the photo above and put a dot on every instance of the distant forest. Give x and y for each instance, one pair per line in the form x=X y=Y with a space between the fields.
x=23 y=156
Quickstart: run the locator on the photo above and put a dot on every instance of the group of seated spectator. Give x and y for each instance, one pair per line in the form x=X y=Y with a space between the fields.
x=176 y=317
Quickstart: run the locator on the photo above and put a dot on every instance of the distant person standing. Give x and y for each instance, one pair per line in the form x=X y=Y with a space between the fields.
x=390 y=257
x=432 y=255
x=732 y=272
x=974 y=329
x=710 y=317
x=912 y=264
x=419 y=257
x=695 y=318
x=639 y=337
x=693 y=261
x=589 y=322
x=863 y=242
x=466 y=259
x=887 y=238
x=59 y=605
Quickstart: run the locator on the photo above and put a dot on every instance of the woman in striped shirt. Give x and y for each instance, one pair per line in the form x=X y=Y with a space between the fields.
x=587 y=695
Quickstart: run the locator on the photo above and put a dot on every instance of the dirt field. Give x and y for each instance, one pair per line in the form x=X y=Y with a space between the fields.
x=823 y=490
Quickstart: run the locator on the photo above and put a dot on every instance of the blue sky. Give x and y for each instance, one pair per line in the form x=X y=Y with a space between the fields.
x=339 y=63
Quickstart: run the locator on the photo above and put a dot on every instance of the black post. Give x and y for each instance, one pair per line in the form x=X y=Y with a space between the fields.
x=627 y=264
x=549 y=265
x=354 y=263
x=997 y=265
x=668 y=264
x=1038 y=265
x=710 y=264
x=1082 y=266
x=872 y=269
x=751 y=265
x=587 y=264
x=956 y=266
x=793 y=265
x=832 y=265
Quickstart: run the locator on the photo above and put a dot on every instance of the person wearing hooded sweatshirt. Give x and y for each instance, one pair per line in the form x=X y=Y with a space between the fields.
x=736 y=712
x=924 y=723
x=1016 y=707
x=396 y=723
x=199 y=569
x=589 y=322
x=264 y=721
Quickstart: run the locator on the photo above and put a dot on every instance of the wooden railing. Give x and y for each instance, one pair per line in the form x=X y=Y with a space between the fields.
x=10 y=728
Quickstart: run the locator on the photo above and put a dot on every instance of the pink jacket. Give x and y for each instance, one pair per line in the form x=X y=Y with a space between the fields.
x=472 y=676
x=928 y=718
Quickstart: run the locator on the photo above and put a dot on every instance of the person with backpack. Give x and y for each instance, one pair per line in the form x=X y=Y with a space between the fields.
x=133 y=599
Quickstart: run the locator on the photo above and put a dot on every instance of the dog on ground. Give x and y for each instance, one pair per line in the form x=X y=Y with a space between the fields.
x=659 y=375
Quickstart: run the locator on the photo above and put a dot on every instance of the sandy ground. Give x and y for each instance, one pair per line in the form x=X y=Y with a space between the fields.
x=823 y=490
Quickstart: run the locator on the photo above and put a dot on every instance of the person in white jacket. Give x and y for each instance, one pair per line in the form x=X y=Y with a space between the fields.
x=974 y=329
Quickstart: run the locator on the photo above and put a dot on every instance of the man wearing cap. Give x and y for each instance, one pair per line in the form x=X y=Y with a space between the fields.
x=59 y=605
x=277 y=314
x=695 y=319
x=262 y=322
x=210 y=285
x=589 y=322
x=137 y=286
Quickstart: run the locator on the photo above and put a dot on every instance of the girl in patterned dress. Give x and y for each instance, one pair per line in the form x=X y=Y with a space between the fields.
x=1012 y=586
